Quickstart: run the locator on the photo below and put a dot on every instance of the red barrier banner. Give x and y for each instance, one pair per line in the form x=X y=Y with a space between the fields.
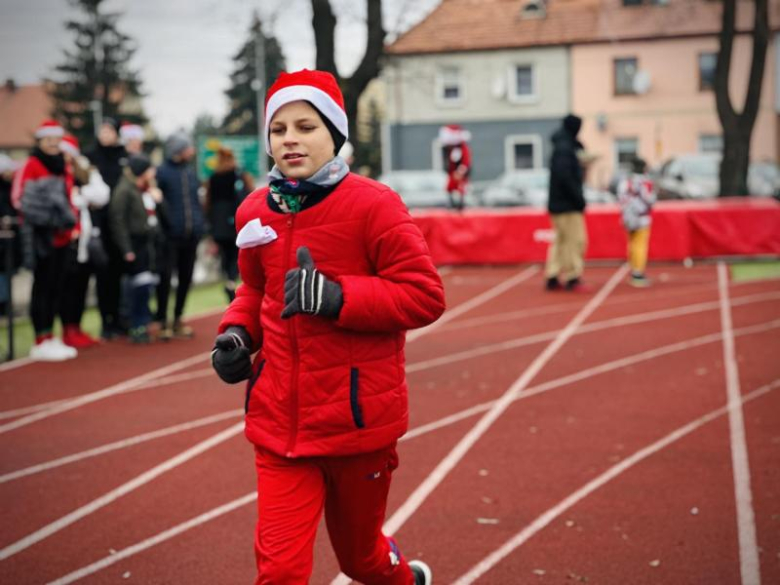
x=680 y=229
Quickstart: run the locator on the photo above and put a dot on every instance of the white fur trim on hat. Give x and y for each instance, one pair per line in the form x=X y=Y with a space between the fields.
x=66 y=146
x=45 y=131
x=131 y=132
x=321 y=100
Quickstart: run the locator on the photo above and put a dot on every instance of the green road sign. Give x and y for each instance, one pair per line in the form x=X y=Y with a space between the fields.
x=245 y=149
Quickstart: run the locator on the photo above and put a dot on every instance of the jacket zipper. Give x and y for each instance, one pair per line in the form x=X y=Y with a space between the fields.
x=185 y=184
x=294 y=343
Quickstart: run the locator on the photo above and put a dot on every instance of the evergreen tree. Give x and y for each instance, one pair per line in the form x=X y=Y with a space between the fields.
x=368 y=152
x=95 y=75
x=242 y=116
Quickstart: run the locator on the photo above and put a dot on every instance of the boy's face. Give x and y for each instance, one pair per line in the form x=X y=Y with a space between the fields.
x=50 y=145
x=107 y=135
x=300 y=141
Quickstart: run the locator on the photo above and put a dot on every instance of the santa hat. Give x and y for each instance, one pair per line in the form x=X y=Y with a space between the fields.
x=128 y=132
x=49 y=128
x=453 y=134
x=319 y=88
x=70 y=144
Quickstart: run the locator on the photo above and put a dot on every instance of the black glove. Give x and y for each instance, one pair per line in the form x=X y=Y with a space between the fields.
x=231 y=355
x=307 y=290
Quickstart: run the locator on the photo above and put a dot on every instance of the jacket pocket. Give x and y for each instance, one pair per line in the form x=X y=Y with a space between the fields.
x=251 y=384
x=354 y=402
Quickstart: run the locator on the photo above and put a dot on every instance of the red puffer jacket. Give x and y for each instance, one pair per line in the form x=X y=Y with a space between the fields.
x=324 y=386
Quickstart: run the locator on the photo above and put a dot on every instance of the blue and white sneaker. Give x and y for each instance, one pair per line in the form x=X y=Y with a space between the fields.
x=422 y=573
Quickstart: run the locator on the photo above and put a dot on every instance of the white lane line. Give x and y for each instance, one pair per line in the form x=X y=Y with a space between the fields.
x=589 y=328
x=565 y=307
x=418 y=431
x=416 y=499
x=155 y=540
x=123 y=444
x=430 y=427
x=33 y=408
x=591 y=372
x=121 y=388
x=746 y=524
x=448 y=316
x=151 y=384
x=467 y=354
x=122 y=490
x=480 y=299
x=17 y=363
x=547 y=517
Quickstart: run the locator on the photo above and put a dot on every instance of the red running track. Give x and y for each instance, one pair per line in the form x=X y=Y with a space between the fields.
x=555 y=438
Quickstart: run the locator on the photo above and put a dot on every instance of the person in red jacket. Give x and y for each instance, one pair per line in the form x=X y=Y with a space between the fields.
x=334 y=272
x=42 y=191
x=455 y=139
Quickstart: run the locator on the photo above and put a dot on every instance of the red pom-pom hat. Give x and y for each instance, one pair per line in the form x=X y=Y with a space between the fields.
x=319 y=88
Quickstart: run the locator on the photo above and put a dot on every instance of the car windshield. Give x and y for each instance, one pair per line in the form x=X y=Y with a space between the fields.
x=533 y=180
x=702 y=167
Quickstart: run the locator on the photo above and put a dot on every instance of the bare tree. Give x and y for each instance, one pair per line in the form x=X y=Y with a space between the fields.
x=324 y=24
x=738 y=128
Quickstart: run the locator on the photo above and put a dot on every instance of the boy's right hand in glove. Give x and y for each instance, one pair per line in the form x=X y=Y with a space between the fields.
x=230 y=357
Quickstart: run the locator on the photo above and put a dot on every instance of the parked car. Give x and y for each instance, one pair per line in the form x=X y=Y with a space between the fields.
x=527 y=187
x=421 y=188
x=530 y=188
x=688 y=176
x=697 y=176
x=764 y=179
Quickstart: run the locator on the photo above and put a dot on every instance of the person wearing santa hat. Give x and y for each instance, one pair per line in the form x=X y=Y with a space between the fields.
x=89 y=192
x=334 y=271
x=41 y=191
x=132 y=138
x=455 y=139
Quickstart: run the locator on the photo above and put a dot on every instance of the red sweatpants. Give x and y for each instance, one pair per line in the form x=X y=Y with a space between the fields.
x=291 y=494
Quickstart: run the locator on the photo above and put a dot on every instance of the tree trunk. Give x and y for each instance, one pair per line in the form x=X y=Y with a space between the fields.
x=738 y=128
x=734 y=165
x=324 y=24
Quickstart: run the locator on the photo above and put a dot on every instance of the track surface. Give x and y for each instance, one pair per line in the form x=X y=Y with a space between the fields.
x=554 y=438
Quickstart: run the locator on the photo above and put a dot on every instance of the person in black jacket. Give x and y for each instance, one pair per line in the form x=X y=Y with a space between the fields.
x=108 y=157
x=183 y=228
x=566 y=205
x=226 y=188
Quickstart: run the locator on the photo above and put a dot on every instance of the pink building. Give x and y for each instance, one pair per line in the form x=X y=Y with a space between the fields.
x=643 y=85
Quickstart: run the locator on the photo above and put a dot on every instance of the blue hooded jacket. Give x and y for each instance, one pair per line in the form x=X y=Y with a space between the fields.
x=184 y=213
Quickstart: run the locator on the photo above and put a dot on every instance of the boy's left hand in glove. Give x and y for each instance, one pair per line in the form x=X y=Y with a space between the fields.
x=307 y=290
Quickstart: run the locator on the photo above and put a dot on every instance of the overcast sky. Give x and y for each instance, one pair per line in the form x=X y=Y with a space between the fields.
x=185 y=46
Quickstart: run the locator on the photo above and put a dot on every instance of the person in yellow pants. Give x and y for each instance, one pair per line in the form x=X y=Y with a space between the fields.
x=636 y=195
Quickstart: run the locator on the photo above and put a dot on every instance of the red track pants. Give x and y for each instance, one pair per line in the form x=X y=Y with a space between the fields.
x=291 y=494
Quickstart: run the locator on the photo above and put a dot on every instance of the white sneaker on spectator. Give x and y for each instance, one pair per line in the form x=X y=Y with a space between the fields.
x=71 y=352
x=50 y=351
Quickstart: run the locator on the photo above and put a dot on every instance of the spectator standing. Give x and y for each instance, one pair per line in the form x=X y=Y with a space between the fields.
x=8 y=222
x=566 y=205
x=226 y=188
x=183 y=228
x=636 y=195
x=334 y=272
x=457 y=154
x=89 y=192
x=132 y=138
x=42 y=191
x=133 y=218
x=108 y=157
